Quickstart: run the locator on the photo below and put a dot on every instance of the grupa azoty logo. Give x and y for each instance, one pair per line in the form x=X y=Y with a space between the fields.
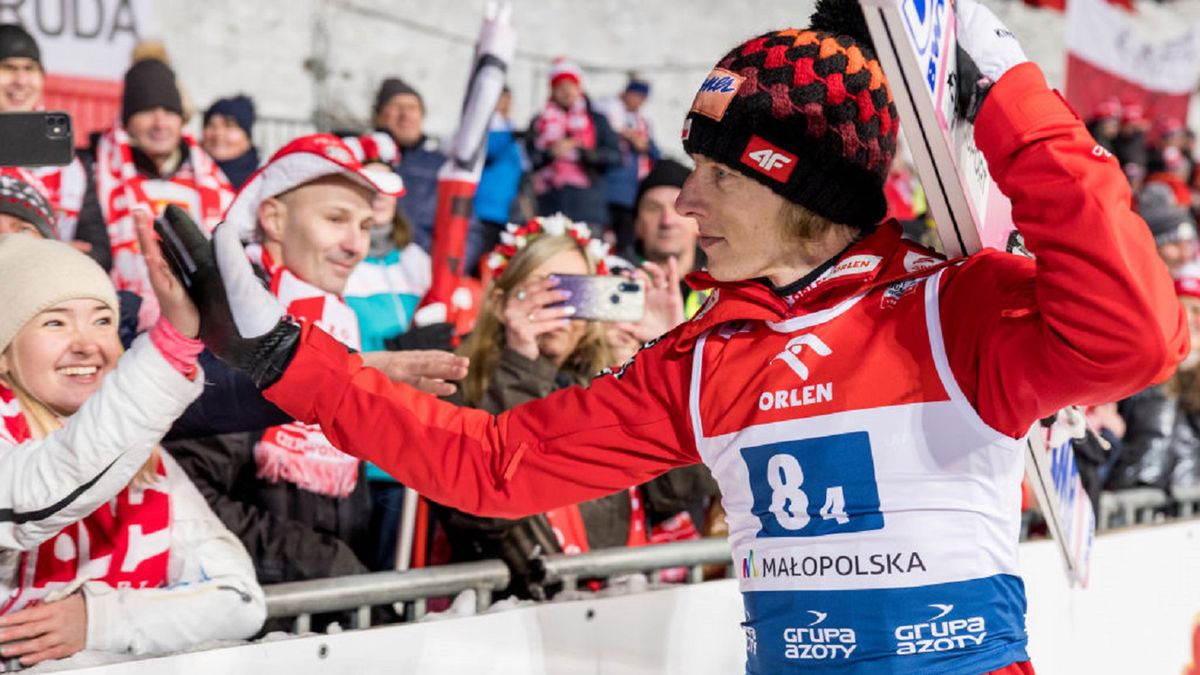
x=940 y=633
x=819 y=641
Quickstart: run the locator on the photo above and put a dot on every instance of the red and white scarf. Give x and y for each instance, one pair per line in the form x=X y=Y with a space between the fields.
x=64 y=187
x=554 y=124
x=198 y=187
x=295 y=452
x=124 y=543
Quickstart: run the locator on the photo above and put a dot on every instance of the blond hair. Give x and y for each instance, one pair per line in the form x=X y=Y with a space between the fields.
x=486 y=341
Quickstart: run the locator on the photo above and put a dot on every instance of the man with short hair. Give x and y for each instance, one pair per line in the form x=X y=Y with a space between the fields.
x=22 y=82
x=301 y=506
x=863 y=403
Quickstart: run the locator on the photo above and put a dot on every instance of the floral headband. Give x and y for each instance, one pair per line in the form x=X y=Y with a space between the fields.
x=515 y=237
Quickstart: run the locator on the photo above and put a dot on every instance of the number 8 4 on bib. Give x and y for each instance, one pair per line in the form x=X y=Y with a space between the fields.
x=815 y=486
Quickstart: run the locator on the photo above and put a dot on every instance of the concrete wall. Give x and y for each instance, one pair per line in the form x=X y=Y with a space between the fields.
x=272 y=50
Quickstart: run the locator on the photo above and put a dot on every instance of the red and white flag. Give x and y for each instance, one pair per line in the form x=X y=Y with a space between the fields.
x=1107 y=56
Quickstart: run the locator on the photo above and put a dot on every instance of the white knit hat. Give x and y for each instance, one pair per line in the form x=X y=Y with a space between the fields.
x=36 y=274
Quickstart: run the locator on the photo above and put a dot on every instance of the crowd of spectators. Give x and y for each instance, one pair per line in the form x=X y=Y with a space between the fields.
x=190 y=478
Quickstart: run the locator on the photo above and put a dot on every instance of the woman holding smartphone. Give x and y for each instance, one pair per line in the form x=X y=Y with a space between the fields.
x=526 y=345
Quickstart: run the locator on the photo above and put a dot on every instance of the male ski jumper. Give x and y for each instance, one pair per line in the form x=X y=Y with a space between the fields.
x=864 y=424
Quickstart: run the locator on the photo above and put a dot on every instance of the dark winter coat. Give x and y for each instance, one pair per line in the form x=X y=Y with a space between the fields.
x=590 y=204
x=291 y=534
x=1145 y=459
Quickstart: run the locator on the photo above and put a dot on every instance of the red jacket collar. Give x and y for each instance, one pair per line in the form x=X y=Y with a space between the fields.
x=880 y=258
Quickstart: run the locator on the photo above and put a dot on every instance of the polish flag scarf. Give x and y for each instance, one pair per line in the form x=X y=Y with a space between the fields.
x=295 y=452
x=124 y=543
x=555 y=124
x=198 y=187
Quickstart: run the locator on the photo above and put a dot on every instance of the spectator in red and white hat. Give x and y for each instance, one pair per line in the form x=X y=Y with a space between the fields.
x=571 y=146
x=299 y=505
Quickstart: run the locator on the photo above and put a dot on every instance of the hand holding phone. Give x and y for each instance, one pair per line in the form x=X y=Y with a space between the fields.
x=604 y=298
x=531 y=311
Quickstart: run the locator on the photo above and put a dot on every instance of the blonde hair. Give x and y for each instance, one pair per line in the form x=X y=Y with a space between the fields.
x=43 y=420
x=486 y=341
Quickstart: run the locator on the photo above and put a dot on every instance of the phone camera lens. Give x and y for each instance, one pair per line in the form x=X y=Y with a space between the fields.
x=628 y=287
x=614 y=299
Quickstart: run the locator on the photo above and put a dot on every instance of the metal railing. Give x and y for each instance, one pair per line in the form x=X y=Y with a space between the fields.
x=608 y=563
x=359 y=593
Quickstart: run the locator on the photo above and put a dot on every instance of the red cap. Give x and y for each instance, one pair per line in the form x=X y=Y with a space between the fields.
x=1132 y=112
x=1109 y=108
x=563 y=69
x=301 y=161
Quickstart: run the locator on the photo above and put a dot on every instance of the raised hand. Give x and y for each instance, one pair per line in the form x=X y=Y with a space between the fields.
x=240 y=321
x=664 y=301
x=173 y=299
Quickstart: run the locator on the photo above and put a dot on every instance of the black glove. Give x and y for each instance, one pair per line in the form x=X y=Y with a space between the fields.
x=240 y=321
x=434 y=336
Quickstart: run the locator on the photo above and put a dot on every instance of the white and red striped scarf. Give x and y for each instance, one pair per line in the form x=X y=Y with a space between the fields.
x=124 y=543
x=554 y=124
x=198 y=187
x=295 y=452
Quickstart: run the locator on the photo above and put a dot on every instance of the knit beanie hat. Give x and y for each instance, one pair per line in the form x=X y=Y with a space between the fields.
x=1169 y=222
x=666 y=172
x=565 y=69
x=238 y=108
x=150 y=84
x=16 y=42
x=36 y=274
x=807 y=113
x=394 y=86
x=22 y=200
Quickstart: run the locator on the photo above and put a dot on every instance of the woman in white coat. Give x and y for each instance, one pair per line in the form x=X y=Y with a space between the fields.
x=104 y=542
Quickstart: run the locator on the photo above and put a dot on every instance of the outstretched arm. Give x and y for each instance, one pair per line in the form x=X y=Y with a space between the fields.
x=572 y=446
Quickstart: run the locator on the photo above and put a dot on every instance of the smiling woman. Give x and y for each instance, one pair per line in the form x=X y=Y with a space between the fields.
x=79 y=426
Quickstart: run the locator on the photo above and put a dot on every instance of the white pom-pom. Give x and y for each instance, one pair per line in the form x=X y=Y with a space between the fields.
x=555 y=225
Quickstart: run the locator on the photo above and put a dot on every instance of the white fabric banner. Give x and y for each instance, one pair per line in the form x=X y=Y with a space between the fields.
x=84 y=38
x=1108 y=38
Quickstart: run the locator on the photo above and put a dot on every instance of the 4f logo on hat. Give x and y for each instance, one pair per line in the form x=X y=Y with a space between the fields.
x=769 y=159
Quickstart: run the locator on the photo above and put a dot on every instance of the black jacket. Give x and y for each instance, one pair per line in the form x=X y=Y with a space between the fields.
x=1145 y=459
x=290 y=533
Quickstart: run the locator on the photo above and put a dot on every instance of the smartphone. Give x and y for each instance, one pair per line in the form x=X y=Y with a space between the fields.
x=36 y=139
x=604 y=298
